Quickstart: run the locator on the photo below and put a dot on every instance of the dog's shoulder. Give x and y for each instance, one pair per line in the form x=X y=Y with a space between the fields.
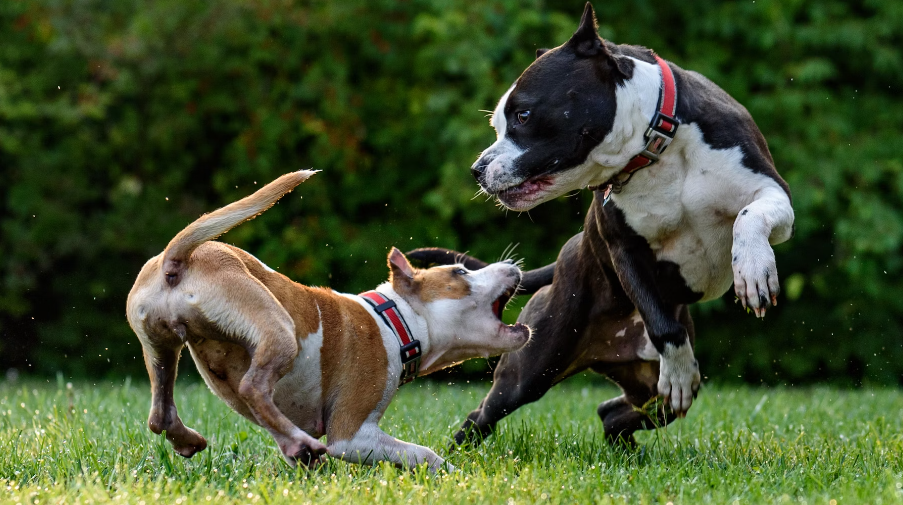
x=723 y=121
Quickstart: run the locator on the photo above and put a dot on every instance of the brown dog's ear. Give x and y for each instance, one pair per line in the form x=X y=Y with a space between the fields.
x=401 y=271
x=541 y=51
x=586 y=41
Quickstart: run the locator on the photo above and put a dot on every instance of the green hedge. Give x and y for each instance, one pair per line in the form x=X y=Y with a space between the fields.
x=120 y=122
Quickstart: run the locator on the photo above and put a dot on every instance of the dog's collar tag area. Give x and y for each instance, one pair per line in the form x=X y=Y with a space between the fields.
x=658 y=136
x=411 y=352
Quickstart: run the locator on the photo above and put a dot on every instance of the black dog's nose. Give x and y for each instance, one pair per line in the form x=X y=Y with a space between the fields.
x=478 y=169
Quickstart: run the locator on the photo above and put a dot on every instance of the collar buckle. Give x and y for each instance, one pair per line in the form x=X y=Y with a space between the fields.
x=410 y=352
x=410 y=361
x=659 y=135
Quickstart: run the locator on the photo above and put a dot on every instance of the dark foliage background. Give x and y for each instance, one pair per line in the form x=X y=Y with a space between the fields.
x=120 y=122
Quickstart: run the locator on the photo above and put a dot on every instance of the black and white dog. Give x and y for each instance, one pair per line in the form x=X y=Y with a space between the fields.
x=674 y=227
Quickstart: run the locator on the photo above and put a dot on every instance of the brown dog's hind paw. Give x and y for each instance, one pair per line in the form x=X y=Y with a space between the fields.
x=190 y=450
x=308 y=458
x=186 y=441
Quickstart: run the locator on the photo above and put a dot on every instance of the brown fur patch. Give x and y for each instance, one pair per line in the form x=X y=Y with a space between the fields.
x=354 y=364
x=297 y=298
x=440 y=283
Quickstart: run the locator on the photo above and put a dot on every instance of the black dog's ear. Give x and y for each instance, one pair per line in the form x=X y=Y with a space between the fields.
x=541 y=51
x=586 y=41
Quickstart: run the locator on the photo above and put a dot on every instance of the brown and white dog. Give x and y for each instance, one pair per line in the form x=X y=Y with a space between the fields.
x=305 y=362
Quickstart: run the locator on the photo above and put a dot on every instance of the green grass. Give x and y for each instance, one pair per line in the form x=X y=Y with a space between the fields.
x=90 y=444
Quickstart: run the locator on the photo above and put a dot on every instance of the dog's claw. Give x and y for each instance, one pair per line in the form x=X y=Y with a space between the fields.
x=755 y=275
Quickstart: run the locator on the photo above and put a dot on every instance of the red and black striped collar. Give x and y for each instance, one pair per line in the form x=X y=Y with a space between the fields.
x=410 y=348
x=658 y=136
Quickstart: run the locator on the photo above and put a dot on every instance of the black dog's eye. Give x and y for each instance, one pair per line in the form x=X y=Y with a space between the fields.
x=523 y=116
x=459 y=271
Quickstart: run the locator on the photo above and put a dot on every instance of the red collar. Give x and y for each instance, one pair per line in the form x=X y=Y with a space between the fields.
x=658 y=136
x=410 y=348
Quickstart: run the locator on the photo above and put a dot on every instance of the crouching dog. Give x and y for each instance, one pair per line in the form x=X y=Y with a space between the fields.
x=304 y=362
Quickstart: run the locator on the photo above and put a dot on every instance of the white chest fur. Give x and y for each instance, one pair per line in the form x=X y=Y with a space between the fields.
x=686 y=204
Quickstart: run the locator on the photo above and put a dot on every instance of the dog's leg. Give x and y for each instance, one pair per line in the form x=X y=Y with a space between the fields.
x=370 y=445
x=636 y=409
x=241 y=306
x=525 y=375
x=268 y=365
x=766 y=221
x=634 y=264
x=519 y=379
x=162 y=363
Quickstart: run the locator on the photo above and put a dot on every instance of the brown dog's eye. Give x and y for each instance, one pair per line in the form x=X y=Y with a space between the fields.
x=523 y=116
x=460 y=271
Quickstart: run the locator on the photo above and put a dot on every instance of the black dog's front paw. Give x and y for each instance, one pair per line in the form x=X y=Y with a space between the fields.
x=470 y=435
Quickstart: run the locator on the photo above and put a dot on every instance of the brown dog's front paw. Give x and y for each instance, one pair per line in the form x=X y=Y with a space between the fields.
x=306 y=451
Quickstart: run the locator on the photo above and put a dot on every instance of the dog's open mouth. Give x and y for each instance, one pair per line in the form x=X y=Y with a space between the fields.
x=527 y=194
x=529 y=187
x=498 y=306
x=518 y=331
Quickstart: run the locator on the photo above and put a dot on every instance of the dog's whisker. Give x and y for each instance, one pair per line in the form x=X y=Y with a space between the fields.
x=508 y=252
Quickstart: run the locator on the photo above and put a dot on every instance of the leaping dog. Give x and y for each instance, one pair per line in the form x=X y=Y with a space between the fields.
x=687 y=200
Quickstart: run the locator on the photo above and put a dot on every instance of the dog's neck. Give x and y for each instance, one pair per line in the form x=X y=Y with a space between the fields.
x=418 y=324
x=438 y=351
x=637 y=100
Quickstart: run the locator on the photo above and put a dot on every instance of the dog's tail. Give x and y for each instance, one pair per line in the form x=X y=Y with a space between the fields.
x=212 y=225
x=430 y=256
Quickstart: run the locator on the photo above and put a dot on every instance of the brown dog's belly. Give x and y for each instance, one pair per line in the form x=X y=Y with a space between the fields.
x=297 y=394
x=222 y=365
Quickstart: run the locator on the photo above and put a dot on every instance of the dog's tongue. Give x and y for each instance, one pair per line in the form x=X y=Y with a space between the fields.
x=495 y=308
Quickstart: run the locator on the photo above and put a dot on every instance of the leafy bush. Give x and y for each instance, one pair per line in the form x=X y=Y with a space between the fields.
x=120 y=123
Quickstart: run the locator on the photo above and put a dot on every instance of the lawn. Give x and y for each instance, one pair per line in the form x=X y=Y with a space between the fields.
x=88 y=443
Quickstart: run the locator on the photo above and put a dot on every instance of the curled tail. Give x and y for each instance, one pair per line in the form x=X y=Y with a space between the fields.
x=212 y=225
